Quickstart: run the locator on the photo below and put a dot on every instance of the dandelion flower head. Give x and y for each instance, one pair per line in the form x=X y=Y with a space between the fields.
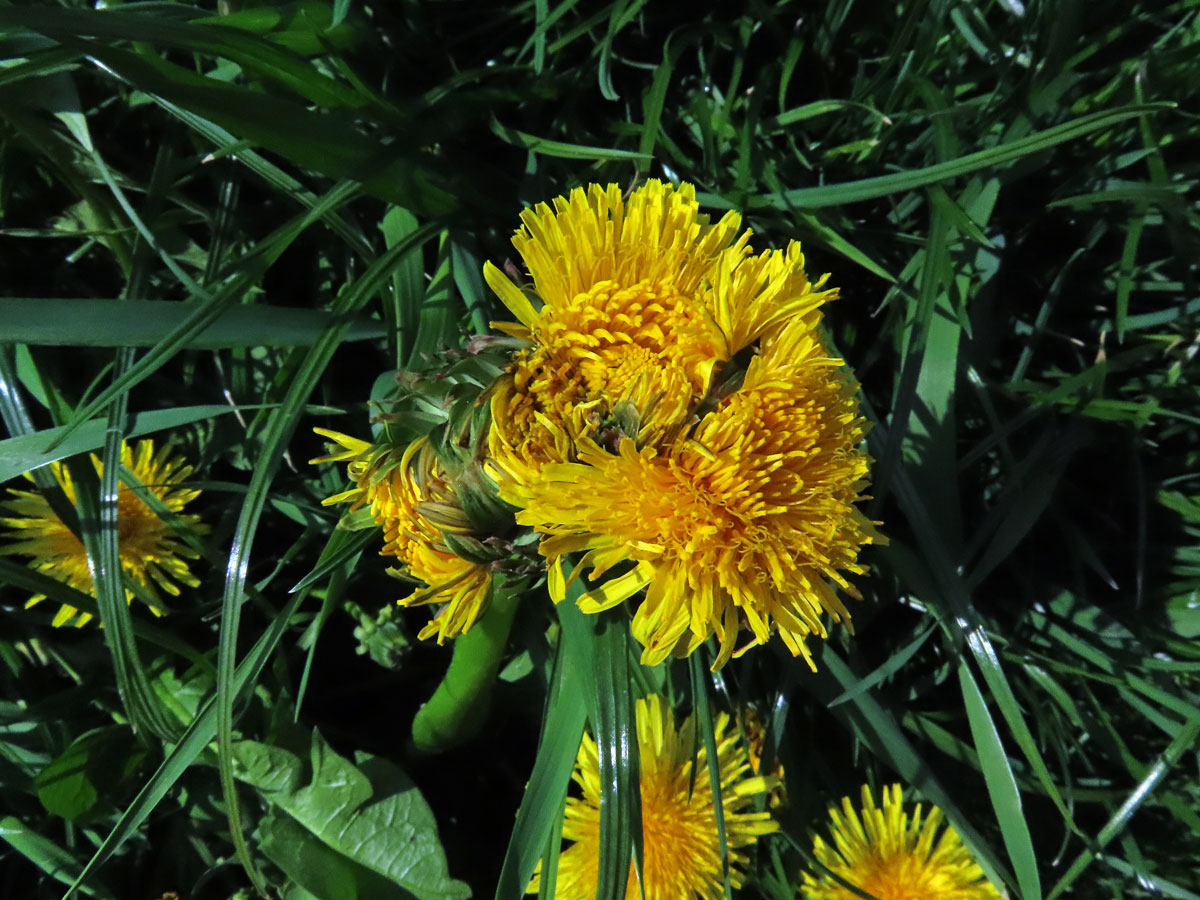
x=681 y=852
x=410 y=497
x=894 y=857
x=151 y=554
x=640 y=300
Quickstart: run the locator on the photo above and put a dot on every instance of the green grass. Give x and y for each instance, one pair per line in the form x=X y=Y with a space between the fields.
x=276 y=207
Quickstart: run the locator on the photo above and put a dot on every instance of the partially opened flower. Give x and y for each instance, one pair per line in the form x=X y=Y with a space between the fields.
x=424 y=527
x=681 y=851
x=151 y=554
x=892 y=857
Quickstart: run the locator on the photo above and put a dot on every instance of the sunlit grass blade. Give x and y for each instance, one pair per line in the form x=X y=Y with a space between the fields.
x=29 y=451
x=1002 y=787
x=881 y=185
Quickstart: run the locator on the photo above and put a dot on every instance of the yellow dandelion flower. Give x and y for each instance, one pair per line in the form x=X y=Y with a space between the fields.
x=682 y=855
x=412 y=500
x=893 y=858
x=736 y=523
x=151 y=555
x=641 y=301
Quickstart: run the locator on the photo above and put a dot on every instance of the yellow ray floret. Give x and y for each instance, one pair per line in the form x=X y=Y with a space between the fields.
x=893 y=857
x=637 y=301
x=735 y=524
x=151 y=555
x=682 y=855
x=412 y=500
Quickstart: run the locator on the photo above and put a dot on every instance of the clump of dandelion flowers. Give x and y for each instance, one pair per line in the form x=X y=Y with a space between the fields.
x=681 y=851
x=894 y=857
x=151 y=554
x=634 y=434
x=411 y=499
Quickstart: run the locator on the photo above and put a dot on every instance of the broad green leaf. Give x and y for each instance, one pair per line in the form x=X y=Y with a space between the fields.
x=93 y=765
x=369 y=812
x=315 y=867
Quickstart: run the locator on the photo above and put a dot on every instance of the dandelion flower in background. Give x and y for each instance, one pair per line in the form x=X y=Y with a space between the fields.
x=681 y=852
x=756 y=744
x=894 y=858
x=150 y=553
x=412 y=500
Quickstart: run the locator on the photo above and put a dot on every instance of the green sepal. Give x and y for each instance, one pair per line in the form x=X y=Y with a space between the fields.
x=357 y=520
x=470 y=549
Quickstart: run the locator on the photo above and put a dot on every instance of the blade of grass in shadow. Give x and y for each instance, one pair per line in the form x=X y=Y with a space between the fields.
x=274 y=438
x=197 y=736
x=254 y=53
x=35 y=582
x=548 y=886
x=704 y=723
x=1183 y=743
x=47 y=856
x=287 y=186
x=900 y=182
x=562 y=731
x=87 y=322
x=27 y=452
x=548 y=147
x=402 y=307
x=341 y=546
x=327 y=141
x=212 y=305
x=886 y=670
x=962 y=620
x=437 y=321
x=615 y=731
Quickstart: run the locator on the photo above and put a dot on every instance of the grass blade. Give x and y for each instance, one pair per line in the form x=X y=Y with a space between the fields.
x=1002 y=787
